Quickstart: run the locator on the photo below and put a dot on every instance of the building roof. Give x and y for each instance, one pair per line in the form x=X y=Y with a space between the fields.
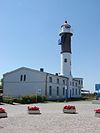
x=30 y=69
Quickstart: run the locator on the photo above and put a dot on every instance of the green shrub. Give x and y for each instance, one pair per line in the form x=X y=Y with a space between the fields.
x=8 y=100
x=33 y=99
x=44 y=98
x=25 y=99
x=1 y=99
x=90 y=96
x=39 y=99
x=17 y=100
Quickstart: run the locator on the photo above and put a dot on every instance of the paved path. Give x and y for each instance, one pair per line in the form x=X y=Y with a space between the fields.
x=52 y=119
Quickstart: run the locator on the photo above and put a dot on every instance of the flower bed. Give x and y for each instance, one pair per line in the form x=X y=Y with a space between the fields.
x=3 y=113
x=69 y=109
x=97 y=113
x=33 y=110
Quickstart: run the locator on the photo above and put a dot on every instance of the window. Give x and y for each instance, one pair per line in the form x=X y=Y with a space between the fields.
x=50 y=90
x=73 y=83
x=64 y=82
x=21 y=77
x=63 y=91
x=79 y=91
x=79 y=82
x=76 y=84
x=50 y=79
x=57 y=91
x=73 y=91
x=65 y=60
x=70 y=72
x=70 y=93
x=70 y=83
x=24 y=77
x=57 y=81
x=76 y=91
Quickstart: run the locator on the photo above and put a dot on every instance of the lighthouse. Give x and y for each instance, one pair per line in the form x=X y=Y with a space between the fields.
x=65 y=42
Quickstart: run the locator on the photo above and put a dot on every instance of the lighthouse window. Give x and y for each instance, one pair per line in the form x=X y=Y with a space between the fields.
x=65 y=60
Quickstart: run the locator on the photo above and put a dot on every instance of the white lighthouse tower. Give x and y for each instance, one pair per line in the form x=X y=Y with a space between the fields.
x=65 y=42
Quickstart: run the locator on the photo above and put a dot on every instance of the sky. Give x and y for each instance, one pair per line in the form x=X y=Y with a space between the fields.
x=29 y=33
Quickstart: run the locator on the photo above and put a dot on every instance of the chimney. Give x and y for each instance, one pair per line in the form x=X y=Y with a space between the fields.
x=56 y=74
x=41 y=70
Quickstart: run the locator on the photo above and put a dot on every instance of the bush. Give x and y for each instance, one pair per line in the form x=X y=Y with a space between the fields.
x=74 y=99
x=8 y=100
x=33 y=99
x=90 y=96
x=25 y=99
x=1 y=99
x=17 y=100
x=39 y=99
x=44 y=98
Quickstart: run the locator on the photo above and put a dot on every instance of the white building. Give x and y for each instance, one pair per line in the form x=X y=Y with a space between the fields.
x=26 y=81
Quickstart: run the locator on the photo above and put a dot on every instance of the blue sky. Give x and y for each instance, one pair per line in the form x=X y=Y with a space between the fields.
x=29 y=33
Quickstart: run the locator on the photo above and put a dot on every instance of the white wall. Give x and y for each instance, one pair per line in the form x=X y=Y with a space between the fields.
x=38 y=82
x=66 y=66
x=54 y=85
x=35 y=81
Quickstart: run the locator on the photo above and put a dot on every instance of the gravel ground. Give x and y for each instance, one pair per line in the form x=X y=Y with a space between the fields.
x=52 y=119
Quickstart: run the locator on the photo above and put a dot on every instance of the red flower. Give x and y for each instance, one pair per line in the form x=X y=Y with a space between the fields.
x=2 y=110
x=33 y=108
x=69 y=107
x=97 y=111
